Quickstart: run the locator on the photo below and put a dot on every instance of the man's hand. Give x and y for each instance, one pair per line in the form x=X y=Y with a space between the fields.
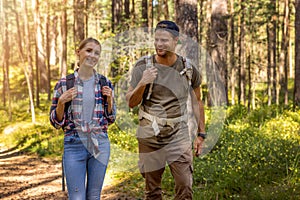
x=134 y=96
x=149 y=75
x=198 y=145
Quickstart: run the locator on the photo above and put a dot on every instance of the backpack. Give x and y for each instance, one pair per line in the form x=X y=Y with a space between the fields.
x=70 y=80
x=187 y=70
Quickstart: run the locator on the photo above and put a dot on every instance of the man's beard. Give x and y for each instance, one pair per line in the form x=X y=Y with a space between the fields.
x=164 y=52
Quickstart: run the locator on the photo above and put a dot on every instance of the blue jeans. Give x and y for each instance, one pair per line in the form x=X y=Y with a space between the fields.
x=84 y=172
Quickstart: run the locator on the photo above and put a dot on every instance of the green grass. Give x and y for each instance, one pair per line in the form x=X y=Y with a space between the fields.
x=256 y=157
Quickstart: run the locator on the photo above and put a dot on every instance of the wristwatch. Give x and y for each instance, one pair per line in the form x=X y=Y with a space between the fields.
x=203 y=135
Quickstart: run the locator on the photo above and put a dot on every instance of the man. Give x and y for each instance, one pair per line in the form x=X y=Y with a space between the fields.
x=162 y=91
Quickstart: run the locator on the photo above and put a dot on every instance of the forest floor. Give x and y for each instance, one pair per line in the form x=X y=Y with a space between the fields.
x=24 y=176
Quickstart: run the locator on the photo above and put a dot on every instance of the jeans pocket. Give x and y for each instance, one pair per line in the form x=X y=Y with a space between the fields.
x=70 y=139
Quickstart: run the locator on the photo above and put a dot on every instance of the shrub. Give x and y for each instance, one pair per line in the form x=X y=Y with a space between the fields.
x=252 y=156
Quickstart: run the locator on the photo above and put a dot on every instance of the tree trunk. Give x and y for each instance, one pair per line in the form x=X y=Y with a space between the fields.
x=87 y=4
x=2 y=24
x=269 y=69
x=201 y=28
x=274 y=53
x=86 y=18
x=117 y=24
x=279 y=71
x=232 y=53
x=201 y=49
x=117 y=10
x=41 y=74
x=64 y=29
x=283 y=58
x=79 y=18
x=166 y=9
x=272 y=63
x=273 y=48
x=27 y=69
x=127 y=13
x=241 y=57
x=186 y=17
x=150 y=14
x=249 y=82
x=297 y=55
x=5 y=63
x=286 y=57
x=159 y=10
x=250 y=60
x=291 y=59
x=218 y=49
x=133 y=14
x=145 y=14
x=48 y=40
x=187 y=20
x=53 y=43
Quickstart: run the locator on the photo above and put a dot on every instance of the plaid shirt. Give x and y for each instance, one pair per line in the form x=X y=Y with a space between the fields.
x=72 y=121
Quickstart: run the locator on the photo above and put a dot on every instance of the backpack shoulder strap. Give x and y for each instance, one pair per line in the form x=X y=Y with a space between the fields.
x=149 y=63
x=70 y=80
x=187 y=70
x=103 y=81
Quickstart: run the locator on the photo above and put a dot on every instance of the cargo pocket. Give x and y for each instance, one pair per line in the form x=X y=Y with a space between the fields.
x=191 y=176
x=141 y=166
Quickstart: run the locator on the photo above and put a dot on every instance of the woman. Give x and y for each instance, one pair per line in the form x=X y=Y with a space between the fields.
x=85 y=121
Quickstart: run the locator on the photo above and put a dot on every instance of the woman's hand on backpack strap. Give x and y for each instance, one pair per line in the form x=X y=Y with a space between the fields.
x=107 y=91
x=67 y=96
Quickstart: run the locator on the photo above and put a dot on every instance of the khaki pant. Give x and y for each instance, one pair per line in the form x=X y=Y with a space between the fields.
x=152 y=161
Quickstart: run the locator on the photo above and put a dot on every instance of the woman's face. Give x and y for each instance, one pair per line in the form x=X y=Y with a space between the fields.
x=89 y=55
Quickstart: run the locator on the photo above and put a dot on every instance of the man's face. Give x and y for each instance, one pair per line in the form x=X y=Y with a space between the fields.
x=164 y=43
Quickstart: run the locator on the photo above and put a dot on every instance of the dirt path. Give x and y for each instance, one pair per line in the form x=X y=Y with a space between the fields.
x=24 y=176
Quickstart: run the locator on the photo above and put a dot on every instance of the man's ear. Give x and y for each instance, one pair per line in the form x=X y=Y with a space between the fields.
x=177 y=40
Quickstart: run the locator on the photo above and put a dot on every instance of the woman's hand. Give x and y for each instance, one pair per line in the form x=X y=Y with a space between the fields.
x=64 y=98
x=67 y=96
x=107 y=91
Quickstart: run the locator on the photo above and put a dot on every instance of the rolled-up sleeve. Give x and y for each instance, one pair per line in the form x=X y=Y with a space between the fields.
x=111 y=117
